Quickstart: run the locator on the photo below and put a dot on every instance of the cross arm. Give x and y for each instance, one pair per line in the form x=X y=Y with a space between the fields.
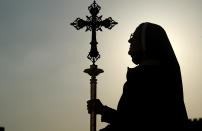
x=108 y=23
x=80 y=23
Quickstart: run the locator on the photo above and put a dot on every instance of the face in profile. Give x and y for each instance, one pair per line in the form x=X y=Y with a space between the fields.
x=135 y=50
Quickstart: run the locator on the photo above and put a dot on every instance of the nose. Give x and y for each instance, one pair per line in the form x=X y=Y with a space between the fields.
x=129 y=41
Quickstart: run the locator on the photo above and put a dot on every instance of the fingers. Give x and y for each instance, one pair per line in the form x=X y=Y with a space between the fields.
x=94 y=105
x=90 y=106
x=93 y=101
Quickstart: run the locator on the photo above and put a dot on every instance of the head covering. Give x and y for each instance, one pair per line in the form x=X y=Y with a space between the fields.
x=143 y=36
x=156 y=45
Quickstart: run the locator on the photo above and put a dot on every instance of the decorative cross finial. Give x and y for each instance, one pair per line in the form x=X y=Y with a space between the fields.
x=94 y=23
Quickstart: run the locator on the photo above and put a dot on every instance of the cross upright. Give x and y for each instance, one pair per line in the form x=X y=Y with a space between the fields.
x=94 y=23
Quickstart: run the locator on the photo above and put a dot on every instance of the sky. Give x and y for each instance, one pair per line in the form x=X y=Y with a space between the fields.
x=42 y=58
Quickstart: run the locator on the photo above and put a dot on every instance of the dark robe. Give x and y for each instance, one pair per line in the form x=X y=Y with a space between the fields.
x=153 y=93
x=152 y=99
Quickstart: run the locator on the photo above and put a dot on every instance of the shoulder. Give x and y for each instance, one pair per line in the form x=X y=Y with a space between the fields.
x=143 y=72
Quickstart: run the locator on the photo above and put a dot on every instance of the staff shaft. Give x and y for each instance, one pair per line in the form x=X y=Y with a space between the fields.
x=93 y=71
x=92 y=97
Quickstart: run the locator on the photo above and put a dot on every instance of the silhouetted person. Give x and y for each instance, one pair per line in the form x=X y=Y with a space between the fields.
x=1 y=128
x=153 y=93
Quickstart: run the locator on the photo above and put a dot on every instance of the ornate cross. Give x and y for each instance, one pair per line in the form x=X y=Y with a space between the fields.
x=93 y=23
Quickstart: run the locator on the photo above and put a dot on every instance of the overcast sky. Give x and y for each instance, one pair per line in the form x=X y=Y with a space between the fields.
x=42 y=58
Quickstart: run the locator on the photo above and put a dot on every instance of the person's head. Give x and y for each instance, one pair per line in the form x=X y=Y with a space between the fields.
x=150 y=42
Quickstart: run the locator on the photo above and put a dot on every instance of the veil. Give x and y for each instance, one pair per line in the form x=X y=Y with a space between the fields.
x=156 y=46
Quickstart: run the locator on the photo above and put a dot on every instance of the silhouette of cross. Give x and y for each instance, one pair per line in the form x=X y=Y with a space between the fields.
x=94 y=23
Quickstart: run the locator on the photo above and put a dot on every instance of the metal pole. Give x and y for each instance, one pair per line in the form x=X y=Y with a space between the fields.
x=93 y=96
x=93 y=71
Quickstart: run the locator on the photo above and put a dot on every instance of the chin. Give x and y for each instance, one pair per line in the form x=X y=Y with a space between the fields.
x=135 y=61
